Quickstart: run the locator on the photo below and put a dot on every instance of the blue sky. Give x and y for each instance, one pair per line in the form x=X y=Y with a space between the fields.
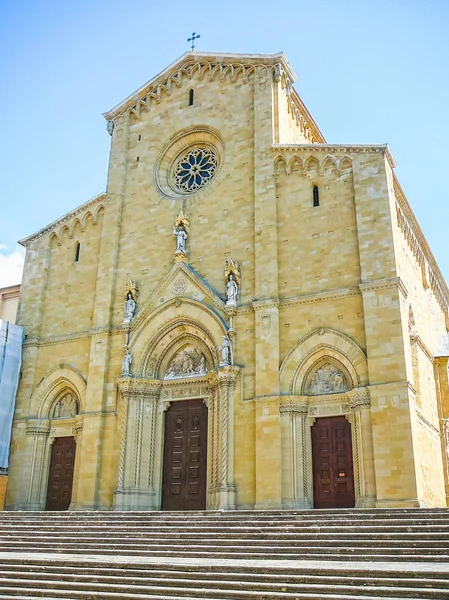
x=369 y=72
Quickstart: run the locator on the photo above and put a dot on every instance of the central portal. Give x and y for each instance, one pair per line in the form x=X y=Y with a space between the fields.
x=185 y=456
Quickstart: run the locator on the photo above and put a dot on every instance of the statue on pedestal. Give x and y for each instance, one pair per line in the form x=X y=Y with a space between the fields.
x=180 y=230
x=126 y=364
x=232 y=278
x=226 y=353
x=130 y=300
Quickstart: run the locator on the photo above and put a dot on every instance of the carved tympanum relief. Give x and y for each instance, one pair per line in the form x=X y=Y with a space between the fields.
x=328 y=379
x=189 y=362
x=66 y=407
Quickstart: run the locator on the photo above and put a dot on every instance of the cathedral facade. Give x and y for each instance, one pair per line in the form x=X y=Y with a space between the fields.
x=248 y=317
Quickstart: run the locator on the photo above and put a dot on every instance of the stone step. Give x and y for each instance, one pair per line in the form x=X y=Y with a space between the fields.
x=13 y=594
x=227 y=581
x=262 y=542
x=248 y=516
x=232 y=589
x=257 y=528
x=285 y=554
x=210 y=534
x=103 y=566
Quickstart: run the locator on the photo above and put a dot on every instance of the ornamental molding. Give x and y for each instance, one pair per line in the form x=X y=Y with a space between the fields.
x=416 y=339
x=266 y=303
x=139 y=387
x=426 y=422
x=359 y=398
x=233 y=67
x=38 y=427
x=75 y=337
x=411 y=229
x=163 y=295
x=337 y=149
x=60 y=224
x=382 y=284
x=319 y=297
x=291 y=405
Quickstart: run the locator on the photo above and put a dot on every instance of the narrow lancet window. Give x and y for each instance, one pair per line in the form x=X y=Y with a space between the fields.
x=316 y=196
x=191 y=98
x=77 y=251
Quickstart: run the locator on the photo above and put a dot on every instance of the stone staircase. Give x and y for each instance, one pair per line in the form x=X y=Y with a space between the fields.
x=294 y=554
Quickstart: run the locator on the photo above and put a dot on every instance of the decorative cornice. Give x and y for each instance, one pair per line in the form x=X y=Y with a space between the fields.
x=202 y=64
x=130 y=386
x=338 y=149
x=416 y=339
x=62 y=220
x=383 y=284
x=265 y=303
x=426 y=422
x=292 y=405
x=75 y=337
x=440 y=286
x=320 y=297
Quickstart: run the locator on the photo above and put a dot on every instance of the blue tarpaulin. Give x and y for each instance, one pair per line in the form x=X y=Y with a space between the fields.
x=11 y=339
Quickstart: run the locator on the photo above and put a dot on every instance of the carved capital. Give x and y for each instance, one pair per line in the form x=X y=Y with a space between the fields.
x=289 y=406
x=227 y=375
x=359 y=398
x=139 y=388
x=38 y=427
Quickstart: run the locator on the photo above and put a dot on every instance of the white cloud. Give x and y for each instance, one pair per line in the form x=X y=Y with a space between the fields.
x=11 y=265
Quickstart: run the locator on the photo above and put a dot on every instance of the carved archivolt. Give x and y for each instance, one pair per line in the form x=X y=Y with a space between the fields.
x=158 y=340
x=63 y=380
x=313 y=351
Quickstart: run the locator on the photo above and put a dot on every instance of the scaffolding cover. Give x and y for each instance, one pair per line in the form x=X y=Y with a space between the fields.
x=11 y=339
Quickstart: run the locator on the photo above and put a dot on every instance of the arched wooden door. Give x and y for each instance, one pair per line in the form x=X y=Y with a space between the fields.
x=185 y=456
x=333 y=473
x=60 y=477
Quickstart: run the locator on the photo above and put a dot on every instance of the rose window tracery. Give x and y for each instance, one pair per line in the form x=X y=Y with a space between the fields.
x=195 y=169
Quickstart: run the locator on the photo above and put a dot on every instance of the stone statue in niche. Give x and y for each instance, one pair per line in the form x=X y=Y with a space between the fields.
x=232 y=278
x=130 y=300
x=130 y=307
x=189 y=362
x=327 y=380
x=126 y=363
x=66 y=407
x=226 y=353
x=180 y=231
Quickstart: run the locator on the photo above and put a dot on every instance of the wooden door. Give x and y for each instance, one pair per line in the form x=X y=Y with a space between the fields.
x=185 y=456
x=60 y=478
x=333 y=474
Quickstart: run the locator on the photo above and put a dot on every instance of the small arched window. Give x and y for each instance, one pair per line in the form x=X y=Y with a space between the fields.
x=191 y=98
x=316 y=196
x=77 y=251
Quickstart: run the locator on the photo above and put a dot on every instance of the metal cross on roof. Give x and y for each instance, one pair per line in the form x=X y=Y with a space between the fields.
x=192 y=39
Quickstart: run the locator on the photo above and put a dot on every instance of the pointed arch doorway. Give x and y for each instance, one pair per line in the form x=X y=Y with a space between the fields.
x=184 y=478
x=333 y=473
x=60 y=478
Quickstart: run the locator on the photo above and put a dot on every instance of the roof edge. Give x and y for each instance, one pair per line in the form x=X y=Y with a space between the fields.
x=188 y=57
x=26 y=240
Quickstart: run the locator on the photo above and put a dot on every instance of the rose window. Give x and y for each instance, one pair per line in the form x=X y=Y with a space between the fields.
x=195 y=169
